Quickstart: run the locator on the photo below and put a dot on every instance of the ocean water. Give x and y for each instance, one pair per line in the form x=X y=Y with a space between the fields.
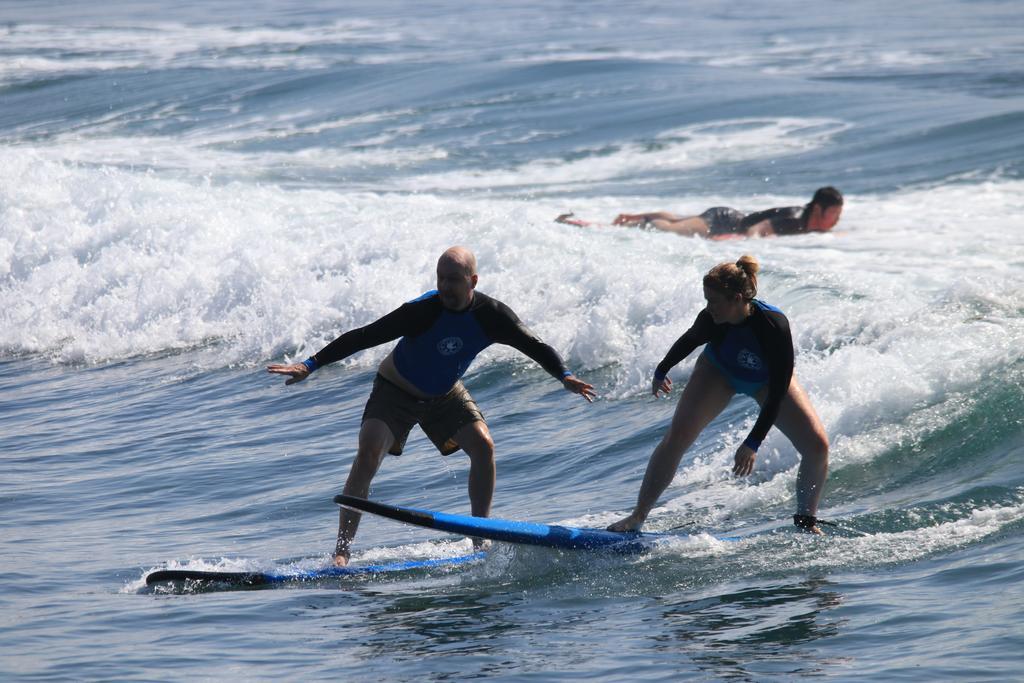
x=189 y=191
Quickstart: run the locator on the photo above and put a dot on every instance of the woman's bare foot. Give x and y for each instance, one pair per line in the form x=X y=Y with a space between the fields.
x=568 y=219
x=631 y=523
x=807 y=523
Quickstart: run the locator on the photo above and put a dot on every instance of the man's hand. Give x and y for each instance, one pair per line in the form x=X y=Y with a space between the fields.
x=745 y=457
x=664 y=386
x=578 y=386
x=298 y=371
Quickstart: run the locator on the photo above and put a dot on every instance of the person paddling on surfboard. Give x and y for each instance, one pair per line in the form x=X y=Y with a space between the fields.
x=419 y=382
x=748 y=350
x=722 y=222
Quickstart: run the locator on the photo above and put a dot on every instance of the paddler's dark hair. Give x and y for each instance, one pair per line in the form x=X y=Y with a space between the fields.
x=824 y=197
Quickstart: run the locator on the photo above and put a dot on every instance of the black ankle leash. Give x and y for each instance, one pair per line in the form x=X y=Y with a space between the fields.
x=810 y=521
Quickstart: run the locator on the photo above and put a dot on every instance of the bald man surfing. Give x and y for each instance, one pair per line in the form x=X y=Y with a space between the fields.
x=419 y=382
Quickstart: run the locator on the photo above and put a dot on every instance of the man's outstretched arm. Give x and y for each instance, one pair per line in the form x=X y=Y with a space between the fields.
x=408 y=318
x=505 y=327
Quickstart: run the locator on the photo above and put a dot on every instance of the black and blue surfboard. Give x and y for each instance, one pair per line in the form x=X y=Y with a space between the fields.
x=510 y=531
x=270 y=578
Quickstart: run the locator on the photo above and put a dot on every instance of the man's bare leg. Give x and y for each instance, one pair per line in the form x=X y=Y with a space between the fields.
x=375 y=439
x=475 y=440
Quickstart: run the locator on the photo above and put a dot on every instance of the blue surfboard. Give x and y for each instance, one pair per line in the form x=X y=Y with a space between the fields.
x=254 y=579
x=529 y=533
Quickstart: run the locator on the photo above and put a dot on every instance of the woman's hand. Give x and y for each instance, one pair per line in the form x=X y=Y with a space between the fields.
x=745 y=456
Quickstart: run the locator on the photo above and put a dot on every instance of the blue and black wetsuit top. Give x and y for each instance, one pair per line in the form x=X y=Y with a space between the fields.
x=754 y=353
x=437 y=345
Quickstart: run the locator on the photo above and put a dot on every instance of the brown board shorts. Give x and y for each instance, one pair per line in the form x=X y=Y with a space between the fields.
x=439 y=418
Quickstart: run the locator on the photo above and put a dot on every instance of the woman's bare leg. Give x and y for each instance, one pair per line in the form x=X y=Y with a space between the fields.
x=694 y=225
x=663 y=220
x=570 y=219
x=705 y=396
x=801 y=425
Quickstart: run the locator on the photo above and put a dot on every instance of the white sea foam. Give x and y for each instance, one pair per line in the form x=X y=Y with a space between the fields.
x=203 y=157
x=829 y=57
x=895 y=317
x=914 y=544
x=37 y=49
x=216 y=151
x=688 y=147
x=778 y=58
x=181 y=262
x=432 y=550
x=51 y=49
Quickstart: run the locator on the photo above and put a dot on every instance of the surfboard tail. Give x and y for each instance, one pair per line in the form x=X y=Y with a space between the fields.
x=205 y=578
x=247 y=579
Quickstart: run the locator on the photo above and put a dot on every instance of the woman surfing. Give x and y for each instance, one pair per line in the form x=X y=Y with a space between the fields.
x=748 y=350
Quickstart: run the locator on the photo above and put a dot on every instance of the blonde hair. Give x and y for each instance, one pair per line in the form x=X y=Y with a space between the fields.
x=735 y=278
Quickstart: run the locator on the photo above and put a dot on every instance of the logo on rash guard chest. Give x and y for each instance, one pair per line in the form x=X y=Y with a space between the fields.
x=748 y=360
x=449 y=346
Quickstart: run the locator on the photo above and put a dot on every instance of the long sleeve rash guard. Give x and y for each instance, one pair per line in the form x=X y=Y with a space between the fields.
x=758 y=350
x=437 y=345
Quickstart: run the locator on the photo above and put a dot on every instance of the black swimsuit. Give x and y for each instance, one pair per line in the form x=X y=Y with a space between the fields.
x=723 y=220
x=784 y=221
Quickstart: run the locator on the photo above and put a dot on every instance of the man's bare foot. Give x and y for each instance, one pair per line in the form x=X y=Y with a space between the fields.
x=631 y=523
x=340 y=560
x=568 y=219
